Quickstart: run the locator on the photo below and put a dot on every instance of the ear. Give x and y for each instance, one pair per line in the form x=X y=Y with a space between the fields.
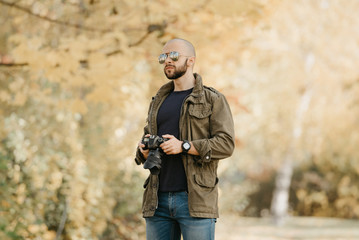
x=191 y=61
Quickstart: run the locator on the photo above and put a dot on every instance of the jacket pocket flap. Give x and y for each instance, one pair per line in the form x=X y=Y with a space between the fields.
x=199 y=111
x=208 y=182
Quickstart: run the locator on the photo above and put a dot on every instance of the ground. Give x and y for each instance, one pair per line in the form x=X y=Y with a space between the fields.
x=232 y=227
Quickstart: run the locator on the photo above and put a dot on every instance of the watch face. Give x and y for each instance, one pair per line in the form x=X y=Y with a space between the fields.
x=186 y=146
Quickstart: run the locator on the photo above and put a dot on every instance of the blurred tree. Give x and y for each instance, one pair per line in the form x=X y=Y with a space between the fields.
x=280 y=201
x=76 y=78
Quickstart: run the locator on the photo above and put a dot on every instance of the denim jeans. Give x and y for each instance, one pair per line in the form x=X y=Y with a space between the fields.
x=172 y=218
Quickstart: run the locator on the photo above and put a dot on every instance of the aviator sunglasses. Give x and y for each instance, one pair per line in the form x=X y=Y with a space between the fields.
x=173 y=55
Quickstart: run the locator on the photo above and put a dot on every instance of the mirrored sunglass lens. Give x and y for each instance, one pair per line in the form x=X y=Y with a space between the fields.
x=174 y=56
x=162 y=58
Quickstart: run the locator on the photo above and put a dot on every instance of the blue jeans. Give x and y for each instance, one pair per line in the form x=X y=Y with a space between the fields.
x=172 y=218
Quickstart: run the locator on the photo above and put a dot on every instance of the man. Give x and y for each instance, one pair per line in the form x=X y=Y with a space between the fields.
x=197 y=121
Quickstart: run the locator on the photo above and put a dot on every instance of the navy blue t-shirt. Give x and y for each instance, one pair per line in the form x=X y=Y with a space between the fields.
x=172 y=175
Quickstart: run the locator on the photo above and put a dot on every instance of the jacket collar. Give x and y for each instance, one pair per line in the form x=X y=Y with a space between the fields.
x=196 y=94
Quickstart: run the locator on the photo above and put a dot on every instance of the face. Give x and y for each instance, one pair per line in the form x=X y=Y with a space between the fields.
x=175 y=69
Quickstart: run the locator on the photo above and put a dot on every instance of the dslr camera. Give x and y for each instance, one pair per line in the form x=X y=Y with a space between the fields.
x=153 y=162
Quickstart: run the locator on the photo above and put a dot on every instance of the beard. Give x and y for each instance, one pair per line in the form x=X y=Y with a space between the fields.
x=177 y=72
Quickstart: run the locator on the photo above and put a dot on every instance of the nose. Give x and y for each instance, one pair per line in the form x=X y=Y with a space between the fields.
x=168 y=60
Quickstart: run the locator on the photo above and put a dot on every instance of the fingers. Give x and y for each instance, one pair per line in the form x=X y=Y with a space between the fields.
x=168 y=136
x=168 y=150
x=167 y=146
x=172 y=146
x=140 y=145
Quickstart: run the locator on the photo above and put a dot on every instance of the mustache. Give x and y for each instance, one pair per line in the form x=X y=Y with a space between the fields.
x=169 y=65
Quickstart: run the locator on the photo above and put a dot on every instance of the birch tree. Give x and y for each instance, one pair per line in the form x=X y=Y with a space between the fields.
x=280 y=201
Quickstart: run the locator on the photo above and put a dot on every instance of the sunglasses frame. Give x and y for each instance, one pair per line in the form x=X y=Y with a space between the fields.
x=173 y=55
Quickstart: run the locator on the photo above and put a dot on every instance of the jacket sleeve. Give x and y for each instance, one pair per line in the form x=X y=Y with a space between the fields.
x=139 y=158
x=221 y=144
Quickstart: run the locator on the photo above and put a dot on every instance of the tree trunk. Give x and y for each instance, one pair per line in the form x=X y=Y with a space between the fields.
x=280 y=200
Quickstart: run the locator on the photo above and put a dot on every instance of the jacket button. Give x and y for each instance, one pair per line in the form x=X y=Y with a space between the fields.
x=154 y=186
x=207 y=157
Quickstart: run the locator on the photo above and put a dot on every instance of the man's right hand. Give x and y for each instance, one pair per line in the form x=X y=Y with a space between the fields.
x=141 y=146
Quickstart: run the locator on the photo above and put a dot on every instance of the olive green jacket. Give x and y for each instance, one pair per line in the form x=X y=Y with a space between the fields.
x=206 y=121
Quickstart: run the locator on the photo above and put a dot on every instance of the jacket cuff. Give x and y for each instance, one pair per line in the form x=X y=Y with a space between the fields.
x=205 y=152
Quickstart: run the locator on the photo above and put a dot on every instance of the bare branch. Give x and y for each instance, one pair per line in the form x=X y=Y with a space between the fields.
x=69 y=24
x=13 y=64
x=139 y=41
x=150 y=29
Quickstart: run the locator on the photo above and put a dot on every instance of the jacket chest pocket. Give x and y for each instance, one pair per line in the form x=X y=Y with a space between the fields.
x=199 y=115
x=199 y=111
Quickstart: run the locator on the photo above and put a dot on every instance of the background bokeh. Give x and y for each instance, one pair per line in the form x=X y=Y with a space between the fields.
x=76 y=78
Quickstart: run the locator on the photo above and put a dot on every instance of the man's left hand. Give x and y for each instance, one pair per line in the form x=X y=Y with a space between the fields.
x=172 y=145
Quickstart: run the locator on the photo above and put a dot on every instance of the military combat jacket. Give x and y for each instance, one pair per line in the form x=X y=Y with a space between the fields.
x=207 y=122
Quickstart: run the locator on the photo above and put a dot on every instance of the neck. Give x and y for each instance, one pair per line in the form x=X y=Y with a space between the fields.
x=185 y=82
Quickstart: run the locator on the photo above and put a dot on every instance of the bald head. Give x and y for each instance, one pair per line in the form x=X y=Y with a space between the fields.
x=180 y=45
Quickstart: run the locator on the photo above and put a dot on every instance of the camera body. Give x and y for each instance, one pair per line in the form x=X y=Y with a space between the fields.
x=153 y=162
x=152 y=142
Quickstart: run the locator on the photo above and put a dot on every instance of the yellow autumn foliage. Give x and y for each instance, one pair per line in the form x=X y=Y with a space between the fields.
x=76 y=78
